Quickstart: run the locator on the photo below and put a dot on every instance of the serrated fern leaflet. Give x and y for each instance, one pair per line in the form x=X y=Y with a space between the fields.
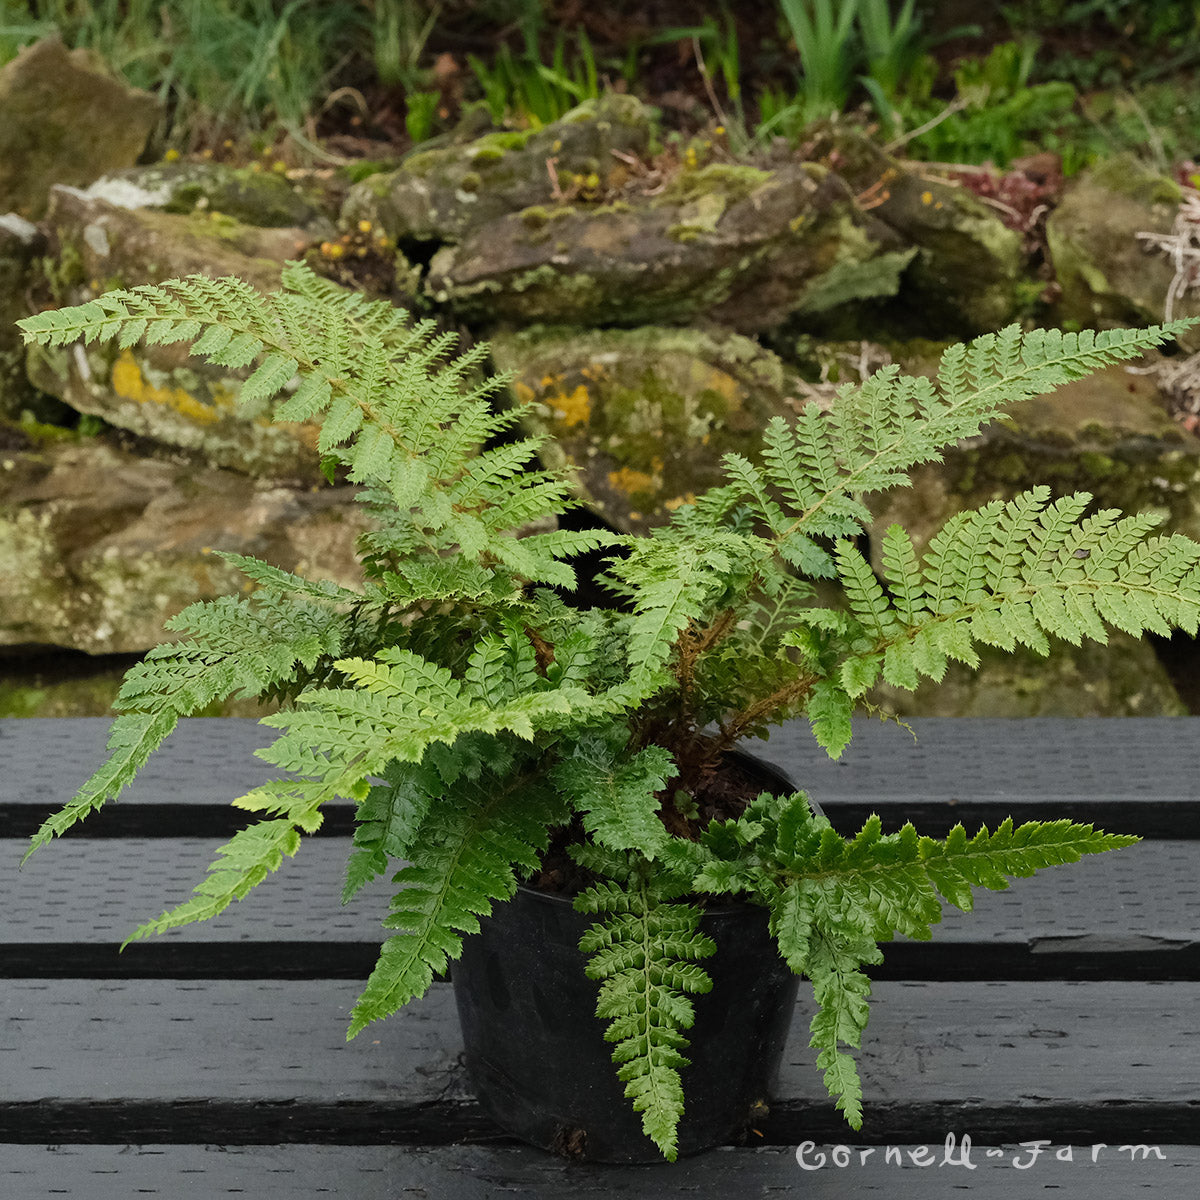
x=645 y=955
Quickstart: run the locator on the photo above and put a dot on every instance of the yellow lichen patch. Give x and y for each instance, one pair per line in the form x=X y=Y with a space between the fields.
x=679 y=501
x=630 y=481
x=927 y=197
x=713 y=379
x=524 y=393
x=129 y=383
x=572 y=409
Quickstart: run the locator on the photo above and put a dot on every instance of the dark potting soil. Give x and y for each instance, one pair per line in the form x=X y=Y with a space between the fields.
x=719 y=796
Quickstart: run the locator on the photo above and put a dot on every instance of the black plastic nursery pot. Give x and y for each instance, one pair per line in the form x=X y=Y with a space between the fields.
x=536 y=1052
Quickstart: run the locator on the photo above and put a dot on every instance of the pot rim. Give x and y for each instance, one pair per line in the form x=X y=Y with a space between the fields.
x=745 y=758
x=737 y=908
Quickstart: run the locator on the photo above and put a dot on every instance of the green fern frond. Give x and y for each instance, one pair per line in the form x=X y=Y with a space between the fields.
x=617 y=796
x=832 y=899
x=467 y=860
x=646 y=956
x=874 y=433
x=674 y=583
x=388 y=820
x=287 y=583
x=842 y=992
x=958 y=864
x=244 y=862
x=1013 y=573
x=234 y=646
x=401 y=418
x=397 y=706
x=132 y=738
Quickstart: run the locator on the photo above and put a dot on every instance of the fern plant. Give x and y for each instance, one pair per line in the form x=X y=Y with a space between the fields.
x=476 y=717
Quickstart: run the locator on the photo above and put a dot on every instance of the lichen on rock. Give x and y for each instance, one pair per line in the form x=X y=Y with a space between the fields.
x=643 y=415
x=162 y=392
x=261 y=198
x=779 y=243
x=1108 y=275
x=966 y=273
x=442 y=194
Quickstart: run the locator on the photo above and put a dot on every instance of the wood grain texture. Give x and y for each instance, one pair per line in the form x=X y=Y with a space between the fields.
x=1132 y=775
x=502 y=1172
x=70 y=906
x=1025 y=1052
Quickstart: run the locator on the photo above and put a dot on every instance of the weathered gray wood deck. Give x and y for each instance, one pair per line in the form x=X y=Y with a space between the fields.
x=1064 y=1012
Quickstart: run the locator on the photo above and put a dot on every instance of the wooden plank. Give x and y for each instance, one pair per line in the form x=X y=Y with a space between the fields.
x=183 y=790
x=1126 y=774
x=1132 y=914
x=66 y=912
x=501 y=1172
x=250 y=1061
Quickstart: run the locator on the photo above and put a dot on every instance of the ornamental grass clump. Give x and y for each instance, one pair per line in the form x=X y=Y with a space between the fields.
x=480 y=721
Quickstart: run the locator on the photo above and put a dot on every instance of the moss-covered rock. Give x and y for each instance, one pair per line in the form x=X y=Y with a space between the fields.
x=98 y=547
x=250 y=196
x=441 y=194
x=161 y=392
x=644 y=415
x=966 y=274
x=64 y=119
x=774 y=244
x=1109 y=276
x=20 y=244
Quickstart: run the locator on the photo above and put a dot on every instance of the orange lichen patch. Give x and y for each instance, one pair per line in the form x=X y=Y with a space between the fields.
x=524 y=393
x=129 y=383
x=571 y=409
x=305 y=432
x=725 y=386
x=629 y=480
x=679 y=501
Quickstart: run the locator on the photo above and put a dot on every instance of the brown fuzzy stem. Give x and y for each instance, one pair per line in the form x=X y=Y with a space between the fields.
x=736 y=726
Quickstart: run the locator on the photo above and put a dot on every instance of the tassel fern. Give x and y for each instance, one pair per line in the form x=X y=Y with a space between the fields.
x=470 y=711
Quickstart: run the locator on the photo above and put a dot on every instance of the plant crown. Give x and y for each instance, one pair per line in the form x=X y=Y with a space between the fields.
x=469 y=710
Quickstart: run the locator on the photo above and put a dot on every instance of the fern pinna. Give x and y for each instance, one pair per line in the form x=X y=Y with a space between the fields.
x=474 y=716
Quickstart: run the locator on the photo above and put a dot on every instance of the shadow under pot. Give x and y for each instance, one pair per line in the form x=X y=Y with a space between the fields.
x=536 y=1052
